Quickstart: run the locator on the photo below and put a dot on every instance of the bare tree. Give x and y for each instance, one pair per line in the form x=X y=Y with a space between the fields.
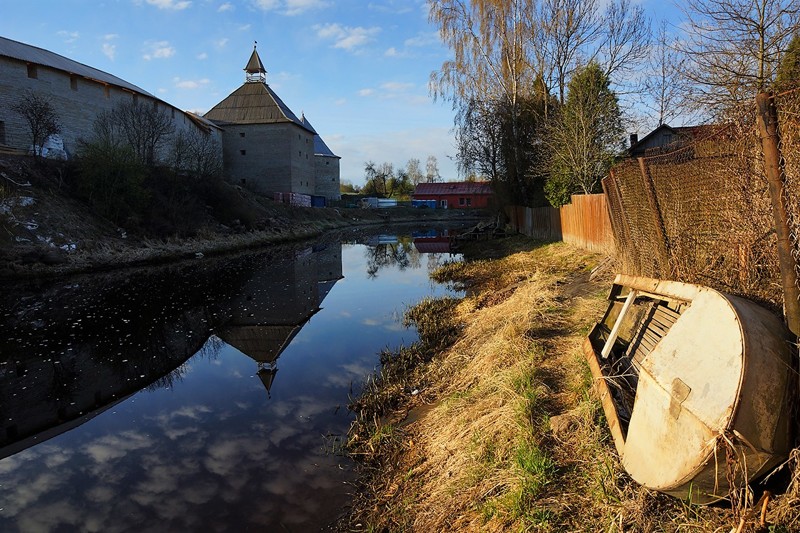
x=432 y=170
x=734 y=48
x=572 y=33
x=625 y=41
x=664 y=85
x=41 y=118
x=378 y=178
x=145 y=126
x=492 y=42
x=564 y=28
x=414 y=171
x=479 y=138
x=196 y=153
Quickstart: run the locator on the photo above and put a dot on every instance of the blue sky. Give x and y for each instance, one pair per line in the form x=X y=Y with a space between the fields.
x=358 y=69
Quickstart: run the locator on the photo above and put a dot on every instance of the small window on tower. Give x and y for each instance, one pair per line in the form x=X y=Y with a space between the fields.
x=73 y=82
x=2 y=132
x=243 y=152
x=32 y=71
x=241 y=134
x=107 y=92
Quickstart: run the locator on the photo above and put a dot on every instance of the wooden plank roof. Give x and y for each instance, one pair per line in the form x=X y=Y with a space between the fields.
x=253 y=103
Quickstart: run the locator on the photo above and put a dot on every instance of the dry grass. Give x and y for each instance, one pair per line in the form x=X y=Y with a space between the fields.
x=504 y=434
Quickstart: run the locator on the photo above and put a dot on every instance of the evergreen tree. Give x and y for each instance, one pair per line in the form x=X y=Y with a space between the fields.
x=788 y=76
x=586 y=137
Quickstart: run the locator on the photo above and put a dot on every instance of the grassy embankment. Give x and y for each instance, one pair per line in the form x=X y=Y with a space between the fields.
x=503 y=432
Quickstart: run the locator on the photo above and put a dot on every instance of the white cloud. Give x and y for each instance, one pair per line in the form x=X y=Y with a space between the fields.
x=220 y=43
x=158 y=50
x=391 y=52
x=291 y=7
x=190 y=84
x=397 y=86
x=423 y=39
x=202 y=55
x=227 y=6
x=346 y=37
x=245 y=27
x=340 y=102
x=69 y=36
x=170 y=4
x=391 y=7
x=266 y=5
x=296 y=7
x=366 y=92
x=109 y=50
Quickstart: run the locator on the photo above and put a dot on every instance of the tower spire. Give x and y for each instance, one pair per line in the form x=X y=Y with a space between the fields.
x=254 y=70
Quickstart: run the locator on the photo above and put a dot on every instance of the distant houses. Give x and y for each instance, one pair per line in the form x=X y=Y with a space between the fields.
x=666 y=138
x=454 y=195
x=264 y=145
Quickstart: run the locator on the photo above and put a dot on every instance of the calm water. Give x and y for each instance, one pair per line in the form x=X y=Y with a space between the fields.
x=207 y=396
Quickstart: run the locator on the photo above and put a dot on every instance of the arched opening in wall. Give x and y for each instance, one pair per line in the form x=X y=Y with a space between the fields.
x=33 y=72
x=73 y=82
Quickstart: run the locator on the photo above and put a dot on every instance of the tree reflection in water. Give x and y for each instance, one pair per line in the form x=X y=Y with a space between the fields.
x=391 y=251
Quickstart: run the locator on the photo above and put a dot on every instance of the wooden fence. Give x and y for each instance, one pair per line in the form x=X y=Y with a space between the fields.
x=584 y=222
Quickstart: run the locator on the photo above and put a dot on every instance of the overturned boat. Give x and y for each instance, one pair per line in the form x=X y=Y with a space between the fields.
x=694 y=383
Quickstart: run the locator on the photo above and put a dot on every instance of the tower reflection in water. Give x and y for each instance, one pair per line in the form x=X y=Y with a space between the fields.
x=74 y=350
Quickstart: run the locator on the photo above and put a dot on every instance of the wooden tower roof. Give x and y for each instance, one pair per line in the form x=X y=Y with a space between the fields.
x=254 y=70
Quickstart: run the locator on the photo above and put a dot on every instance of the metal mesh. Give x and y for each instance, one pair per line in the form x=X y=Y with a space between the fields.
x=702 y=213
x=788 y=105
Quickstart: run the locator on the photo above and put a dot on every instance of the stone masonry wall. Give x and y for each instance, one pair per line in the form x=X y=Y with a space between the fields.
x=326 y=171
x=77 y=101
x=269 y=157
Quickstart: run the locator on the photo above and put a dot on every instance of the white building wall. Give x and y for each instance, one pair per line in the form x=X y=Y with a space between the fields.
x=77 y=102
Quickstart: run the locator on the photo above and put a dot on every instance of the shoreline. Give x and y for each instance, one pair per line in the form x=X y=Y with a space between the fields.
x=498 y=427
x=118 y=254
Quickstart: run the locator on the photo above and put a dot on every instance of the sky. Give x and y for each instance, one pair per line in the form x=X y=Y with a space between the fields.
x=357 y=69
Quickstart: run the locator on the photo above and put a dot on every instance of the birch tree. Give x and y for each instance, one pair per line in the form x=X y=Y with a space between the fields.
x=491 y=42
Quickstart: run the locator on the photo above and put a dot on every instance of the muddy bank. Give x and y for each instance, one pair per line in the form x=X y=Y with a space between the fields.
x=498 y=429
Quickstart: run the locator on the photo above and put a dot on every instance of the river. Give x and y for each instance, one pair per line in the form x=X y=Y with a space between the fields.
x=208 y=395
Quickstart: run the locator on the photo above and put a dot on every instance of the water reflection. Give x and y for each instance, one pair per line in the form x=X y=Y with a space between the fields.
x=137 y=401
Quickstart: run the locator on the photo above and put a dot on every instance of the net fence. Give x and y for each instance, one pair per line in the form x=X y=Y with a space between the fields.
x=700 y=210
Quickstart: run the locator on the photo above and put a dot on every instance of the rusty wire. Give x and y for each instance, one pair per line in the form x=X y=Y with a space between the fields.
x=701 y=212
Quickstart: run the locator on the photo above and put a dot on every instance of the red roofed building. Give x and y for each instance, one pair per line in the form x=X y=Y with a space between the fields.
x=456 y=194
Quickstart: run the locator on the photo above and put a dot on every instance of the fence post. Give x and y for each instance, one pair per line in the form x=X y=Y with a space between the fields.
x=773 y=167
x=658 y=219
